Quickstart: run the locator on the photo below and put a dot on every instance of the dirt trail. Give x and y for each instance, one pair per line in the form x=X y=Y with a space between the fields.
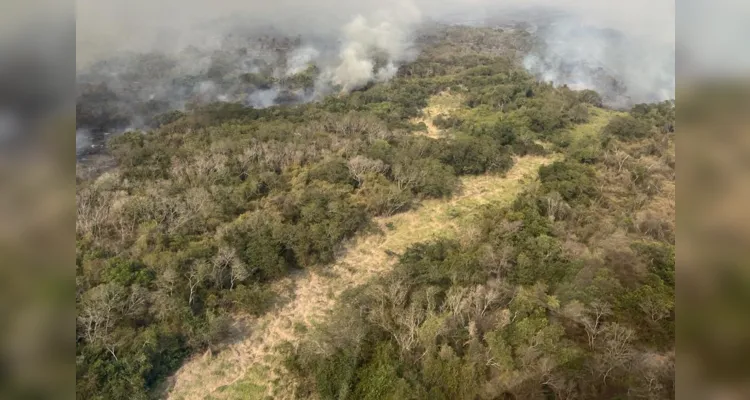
x=249 y=367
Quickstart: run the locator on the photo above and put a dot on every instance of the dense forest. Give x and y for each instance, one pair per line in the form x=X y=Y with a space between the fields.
x=566 y=293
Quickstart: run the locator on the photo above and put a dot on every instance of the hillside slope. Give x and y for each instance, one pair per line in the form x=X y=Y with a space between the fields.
x=384 y=243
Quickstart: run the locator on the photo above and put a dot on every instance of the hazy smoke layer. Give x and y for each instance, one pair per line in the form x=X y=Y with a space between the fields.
x=140 y=58
x=624 y=69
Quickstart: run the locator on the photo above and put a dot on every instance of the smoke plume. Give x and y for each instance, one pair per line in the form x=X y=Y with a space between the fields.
x=138 y=58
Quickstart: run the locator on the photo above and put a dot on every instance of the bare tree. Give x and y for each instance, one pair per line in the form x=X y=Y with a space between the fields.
x=355 y=123
x=395 y=317
x=409 y=321
x=222 y=263
x=238 y=272
x=496 y=260
x=396 y=200
x=196 y=274
x=555 y=206
x=564 y=389
x=615 y=352
x=93 y=211
x=656 y=305
x=101 y=309
x=591 y=317
x=135 y=304
x=167 y=280
x=592 y=322
x=175 y=213
x=482 y=299
x=246 y=160
x=181 y=171
x=210 y=168
x=408 y=176
x=617 y=158
x=455 y=301
x=129 y=212
x=360 y=166
x=652 y=370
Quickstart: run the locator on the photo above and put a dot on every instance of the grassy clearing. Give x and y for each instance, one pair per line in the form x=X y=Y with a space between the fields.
x=442 y=103
x=246 y=388
x=250 y=367
x=598 y=119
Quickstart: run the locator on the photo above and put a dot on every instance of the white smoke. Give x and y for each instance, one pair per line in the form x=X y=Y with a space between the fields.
x=300 y=60
x=642 y=60
x=625 y=69
x=624 y=50
x=388 y=31
x=263 y=98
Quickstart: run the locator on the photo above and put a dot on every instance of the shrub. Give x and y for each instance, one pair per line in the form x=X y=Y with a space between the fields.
x=590 y=97
x=259 y=240
x=586 y=151
x=323 y=216
x=545 y=116
x=127 y=272
x=333 y=171
x=253 y=298
x=528 y=147
x=419 y=127
x=627 y=128
x=505 y=133
x=579 y=114
x=426 y=176
x=447 y=122
x=574 y=181
x=379 y=379
x=382 y=197
x=381 y=150
x=473 y=155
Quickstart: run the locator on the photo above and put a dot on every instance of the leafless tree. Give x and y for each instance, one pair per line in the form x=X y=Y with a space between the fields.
x=135 y=304
x=555 y=206
x=615 y=349
x=238 y=272
x=357 y=124
x=455 y=301
x=209 y=168
x=482 y=299
x=222 y=264
x=564 y=389
x=652 y=370
x=496 y=260
x=393 y=314
x=360 y=166
x=93 y=211
x=101 y=308
x=167 y=280
x=196 y=274
x=593 y=322
x=129 y=212
x=408 y=175
x=411 y=321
